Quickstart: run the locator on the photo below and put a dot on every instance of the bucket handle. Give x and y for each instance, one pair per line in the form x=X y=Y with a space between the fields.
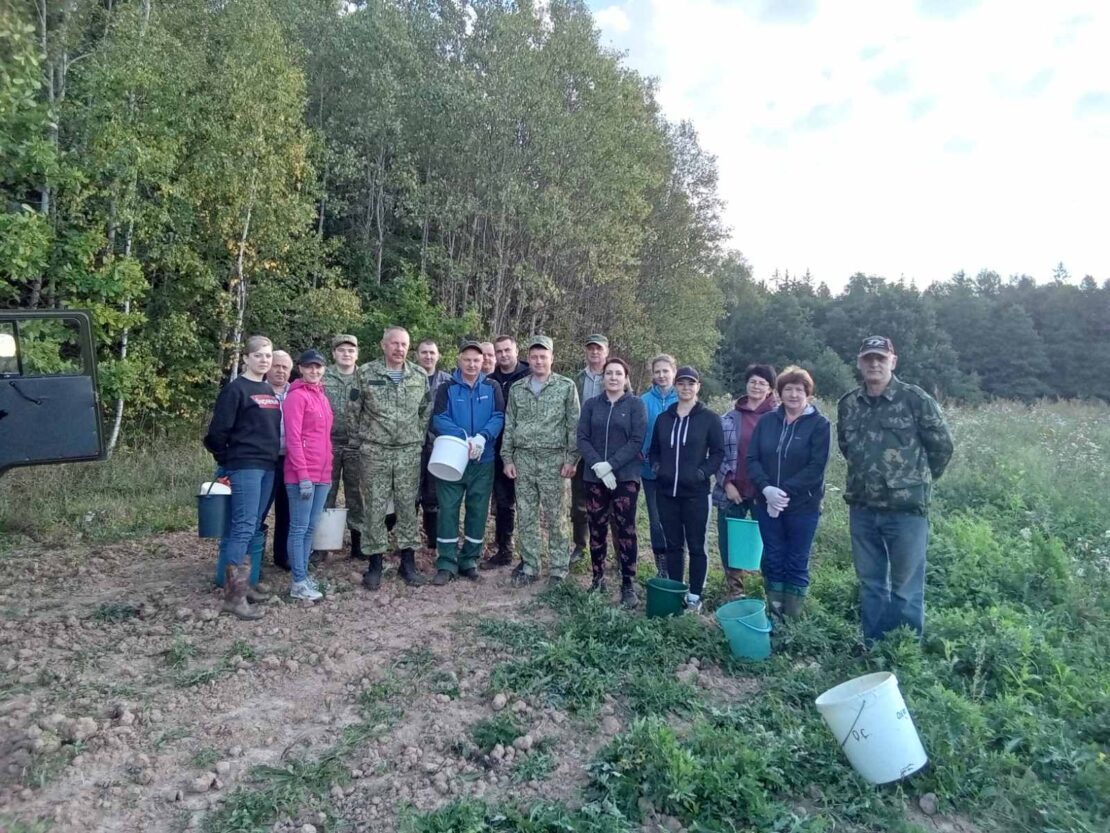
x=754 y=628
x=212 y=482
x=851 y=728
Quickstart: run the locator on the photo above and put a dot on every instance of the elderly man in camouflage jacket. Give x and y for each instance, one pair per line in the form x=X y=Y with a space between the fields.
x=896 y=442
x=540 y=452
x=339 y=380
x=390 y=418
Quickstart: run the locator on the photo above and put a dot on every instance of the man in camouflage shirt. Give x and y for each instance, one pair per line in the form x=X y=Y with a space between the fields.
x=339 y=380
x=540 y=452
x=896 y=442
x=390 y=417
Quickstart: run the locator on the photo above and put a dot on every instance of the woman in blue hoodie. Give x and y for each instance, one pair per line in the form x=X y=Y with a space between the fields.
x=787 y=456
x=660 y=396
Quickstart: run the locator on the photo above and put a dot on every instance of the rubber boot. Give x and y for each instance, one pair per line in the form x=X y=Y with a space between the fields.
x=735 y=581
x=775 y=602
x=502 y=558
x=792 y=604
x=356 y=545
x=256 y=594
x=411 y=576
x=236 y=583
x=372 y=578
x=431 y=519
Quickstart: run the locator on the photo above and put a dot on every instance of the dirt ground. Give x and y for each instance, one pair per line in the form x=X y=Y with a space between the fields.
x=129 y=704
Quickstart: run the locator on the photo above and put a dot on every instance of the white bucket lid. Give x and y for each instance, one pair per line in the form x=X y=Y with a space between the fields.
x=216 y=488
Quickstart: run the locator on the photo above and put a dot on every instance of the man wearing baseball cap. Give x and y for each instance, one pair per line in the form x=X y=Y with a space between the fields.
x=540 y=452
x=895 y=440
x=590 y=383
x=339 y=381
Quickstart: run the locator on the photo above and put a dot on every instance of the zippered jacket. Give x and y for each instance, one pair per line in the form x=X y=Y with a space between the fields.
x=245 y=430
x=308 y=423
x=792 y=457
x=685 y=451
x=465 y=411
x=655 y=402
x=386 y=413
x=739 y=425
x=612 y=432
x=338 y=387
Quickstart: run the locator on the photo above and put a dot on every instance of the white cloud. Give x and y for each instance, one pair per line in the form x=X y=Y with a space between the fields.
x=613 y=19
x=891 y=136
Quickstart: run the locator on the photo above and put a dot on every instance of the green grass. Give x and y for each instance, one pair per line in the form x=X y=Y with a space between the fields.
x=205 y=758
x=502 y=728
x=115 y=612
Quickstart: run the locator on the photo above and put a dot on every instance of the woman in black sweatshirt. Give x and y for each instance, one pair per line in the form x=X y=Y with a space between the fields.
x=687 y=446
x=245 y=438
x=787 y=456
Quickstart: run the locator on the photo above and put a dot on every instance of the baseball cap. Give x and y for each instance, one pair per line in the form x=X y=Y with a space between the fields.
x=470 y=344
x=687 y=373
x=597 y=338
x=312 y=356
x=877 y=344
x=344 y=338
x=541 y=341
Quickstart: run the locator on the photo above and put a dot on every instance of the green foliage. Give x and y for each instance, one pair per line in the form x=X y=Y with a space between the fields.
x=502 y=728
x=115 y=612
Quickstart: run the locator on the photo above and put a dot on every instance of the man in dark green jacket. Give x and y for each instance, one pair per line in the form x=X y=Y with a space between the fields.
x=339 y=380
x=896 y=442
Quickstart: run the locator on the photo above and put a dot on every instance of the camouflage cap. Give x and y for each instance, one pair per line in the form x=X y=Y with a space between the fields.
x=344 y=338
x=470 y=344
x=877 y=344
x=597 y=338
x=541 y=341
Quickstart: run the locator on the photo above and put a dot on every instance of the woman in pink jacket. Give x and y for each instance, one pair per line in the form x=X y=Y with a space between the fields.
x=308 y=418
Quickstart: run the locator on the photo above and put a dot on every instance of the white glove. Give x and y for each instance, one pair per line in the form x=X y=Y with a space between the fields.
x=777 y=499
x=477 y=446
x=601 y=469
x=610 y=481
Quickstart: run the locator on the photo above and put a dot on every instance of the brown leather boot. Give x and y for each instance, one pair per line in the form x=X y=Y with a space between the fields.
x=236 y=584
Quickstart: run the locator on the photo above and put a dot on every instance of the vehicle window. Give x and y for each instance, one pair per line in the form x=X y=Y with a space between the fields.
x=51 y=347
x=9 y=361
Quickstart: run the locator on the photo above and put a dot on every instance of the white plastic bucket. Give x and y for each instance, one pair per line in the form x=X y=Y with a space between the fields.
x=329 y=530
x=449 y=458
x=870 y=721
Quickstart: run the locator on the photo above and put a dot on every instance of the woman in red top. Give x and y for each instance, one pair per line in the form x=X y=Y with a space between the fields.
x=308 y=419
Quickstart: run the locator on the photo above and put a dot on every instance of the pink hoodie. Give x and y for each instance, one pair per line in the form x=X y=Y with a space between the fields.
x=308 y=418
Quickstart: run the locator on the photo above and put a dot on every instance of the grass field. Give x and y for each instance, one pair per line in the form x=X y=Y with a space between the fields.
x=1010 y=689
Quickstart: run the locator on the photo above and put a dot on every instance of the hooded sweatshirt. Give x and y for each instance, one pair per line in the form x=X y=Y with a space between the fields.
x=685 y=450
x=739 y=425
x=308 y=422
x=655 y=401
x=791 y=456
x=612 y=432
x=245 y=431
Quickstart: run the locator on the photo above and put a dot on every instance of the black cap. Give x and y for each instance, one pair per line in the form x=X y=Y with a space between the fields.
x=312 y=356
x=877 y=344
x=687 y=373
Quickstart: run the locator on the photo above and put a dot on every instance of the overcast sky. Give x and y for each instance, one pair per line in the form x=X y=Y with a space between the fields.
x=893 y=137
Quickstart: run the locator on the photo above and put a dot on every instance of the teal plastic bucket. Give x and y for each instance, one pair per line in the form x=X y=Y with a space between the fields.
x=745 y=544
x=747 y=628
x=665 y=597
x=213 y=515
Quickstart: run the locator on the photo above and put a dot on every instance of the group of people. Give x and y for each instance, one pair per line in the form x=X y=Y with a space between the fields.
x=528 y=430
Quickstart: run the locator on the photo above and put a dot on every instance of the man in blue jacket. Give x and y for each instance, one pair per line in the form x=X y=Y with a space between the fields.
x=472 y=409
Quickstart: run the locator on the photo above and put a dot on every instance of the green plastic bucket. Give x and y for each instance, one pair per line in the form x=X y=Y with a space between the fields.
x=665 y=597
x=746 y=626
x=745 y=544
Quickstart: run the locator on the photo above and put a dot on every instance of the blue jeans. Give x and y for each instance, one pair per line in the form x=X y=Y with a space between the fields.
x=888 y=549
x=304 y=514
x=787 y=541
x=658 y=537
x=250 y=494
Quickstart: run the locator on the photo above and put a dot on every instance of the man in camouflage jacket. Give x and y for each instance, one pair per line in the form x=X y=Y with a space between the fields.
x=390 y=417
x=540 y=452
x=339 y=380
x=896 y=443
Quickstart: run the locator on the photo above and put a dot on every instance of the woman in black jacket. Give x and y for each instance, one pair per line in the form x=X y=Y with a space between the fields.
x=611 y=431
x=687 y=446
x=787 y=456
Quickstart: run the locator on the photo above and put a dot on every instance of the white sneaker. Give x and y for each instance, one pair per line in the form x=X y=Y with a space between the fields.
x=693 y=605
x=304 y=590
x=311 y=582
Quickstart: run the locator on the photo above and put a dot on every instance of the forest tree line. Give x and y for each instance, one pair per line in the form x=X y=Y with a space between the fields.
x=195 y=171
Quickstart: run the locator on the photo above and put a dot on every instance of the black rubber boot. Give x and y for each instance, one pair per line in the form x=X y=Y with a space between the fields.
x=372 y=578
x=409 y=574
x=356 y=545
x=501 y=558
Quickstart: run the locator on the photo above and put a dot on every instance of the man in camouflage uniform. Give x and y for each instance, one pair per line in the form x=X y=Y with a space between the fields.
x=390 y=417
x=896 y=442
x=339 y=381
x=540 y=452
